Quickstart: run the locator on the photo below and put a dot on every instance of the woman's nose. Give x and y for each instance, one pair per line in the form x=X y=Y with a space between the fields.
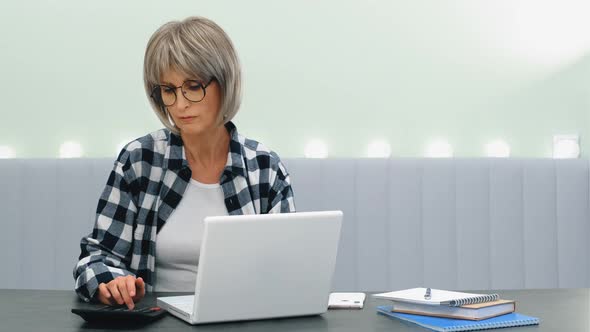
x=181 y=101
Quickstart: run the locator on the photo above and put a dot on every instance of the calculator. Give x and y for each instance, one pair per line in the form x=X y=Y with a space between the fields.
x=108 y=314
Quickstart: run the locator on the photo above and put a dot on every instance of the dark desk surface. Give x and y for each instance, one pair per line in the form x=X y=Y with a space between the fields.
x=42 y=310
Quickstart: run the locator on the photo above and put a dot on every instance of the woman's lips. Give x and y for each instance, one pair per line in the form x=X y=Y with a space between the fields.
x=187 y=118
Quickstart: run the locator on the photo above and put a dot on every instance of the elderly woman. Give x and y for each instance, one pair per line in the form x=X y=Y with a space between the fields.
x=150 y=214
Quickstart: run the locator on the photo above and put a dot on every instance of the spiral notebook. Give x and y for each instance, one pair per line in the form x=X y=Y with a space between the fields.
x=437 y=297
x=449 y=324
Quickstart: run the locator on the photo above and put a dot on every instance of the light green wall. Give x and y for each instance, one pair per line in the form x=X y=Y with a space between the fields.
x=343 y=71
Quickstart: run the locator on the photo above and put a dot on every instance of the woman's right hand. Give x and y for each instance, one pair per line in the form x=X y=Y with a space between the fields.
x=122 y=290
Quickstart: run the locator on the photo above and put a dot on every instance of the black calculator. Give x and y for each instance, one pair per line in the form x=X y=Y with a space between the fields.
x=118 y=314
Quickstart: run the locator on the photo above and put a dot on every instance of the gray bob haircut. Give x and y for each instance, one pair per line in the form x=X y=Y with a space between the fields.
x=198 y=48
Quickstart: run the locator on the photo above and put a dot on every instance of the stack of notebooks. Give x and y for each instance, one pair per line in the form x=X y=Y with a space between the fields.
x=442 y=310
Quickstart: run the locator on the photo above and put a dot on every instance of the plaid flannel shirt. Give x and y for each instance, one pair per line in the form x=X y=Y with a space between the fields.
x=147 y=183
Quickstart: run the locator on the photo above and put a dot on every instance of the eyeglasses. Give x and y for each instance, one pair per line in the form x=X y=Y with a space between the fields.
x=192 y=90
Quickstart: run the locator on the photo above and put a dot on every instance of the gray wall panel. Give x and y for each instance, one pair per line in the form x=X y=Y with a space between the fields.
x=573 y=225
x=473 y=224
x=306 y=178
x=372 y=216
x=455 y=223
x=40 y=227
x=12 y=205
x=438 y=224
x=506 y=225
x=75 y=212
x=406 y=262
x=540 y=229
x=340 y=195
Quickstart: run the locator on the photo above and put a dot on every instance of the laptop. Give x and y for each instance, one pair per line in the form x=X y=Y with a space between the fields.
x=262 y=266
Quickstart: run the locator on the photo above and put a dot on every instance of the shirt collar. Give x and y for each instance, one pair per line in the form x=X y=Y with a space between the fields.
x=176 y=158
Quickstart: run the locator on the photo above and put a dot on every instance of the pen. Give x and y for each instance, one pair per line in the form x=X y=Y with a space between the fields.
x=427 y=295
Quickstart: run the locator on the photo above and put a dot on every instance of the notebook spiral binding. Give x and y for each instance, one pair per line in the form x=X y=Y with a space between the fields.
x=482 y=326
x=475 y=299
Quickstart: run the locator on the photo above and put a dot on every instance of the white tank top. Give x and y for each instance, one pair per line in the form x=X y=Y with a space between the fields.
x=178 y=243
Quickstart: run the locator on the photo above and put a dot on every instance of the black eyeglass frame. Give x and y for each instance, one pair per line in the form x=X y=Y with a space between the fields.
x=158 y=97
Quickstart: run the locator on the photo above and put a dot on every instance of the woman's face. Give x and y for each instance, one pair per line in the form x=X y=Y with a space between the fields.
x=193 y=117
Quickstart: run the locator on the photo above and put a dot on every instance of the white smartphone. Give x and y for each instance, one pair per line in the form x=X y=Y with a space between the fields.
x=346 y=300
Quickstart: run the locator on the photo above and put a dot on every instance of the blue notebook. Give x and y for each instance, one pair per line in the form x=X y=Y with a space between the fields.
x=448 y=324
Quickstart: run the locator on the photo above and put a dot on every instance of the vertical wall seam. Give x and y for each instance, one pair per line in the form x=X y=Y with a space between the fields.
x=355 y=264
x=387 y=231
x=421 y=221
x=54 y=280
x=21 y=236
x=523 y=218
x=489 y=225
x=556 y=221
x=456 y=229
x=587 y=219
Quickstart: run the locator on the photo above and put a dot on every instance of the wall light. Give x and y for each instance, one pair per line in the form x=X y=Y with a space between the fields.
x=316 y=149
x=7 y=152
x=439 y=149
x=498 y=149
x=379 y=149
x=566 y=146
x=71 y=149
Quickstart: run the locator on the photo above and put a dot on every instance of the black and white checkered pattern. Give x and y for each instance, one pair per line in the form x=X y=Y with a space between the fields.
x=146 y=185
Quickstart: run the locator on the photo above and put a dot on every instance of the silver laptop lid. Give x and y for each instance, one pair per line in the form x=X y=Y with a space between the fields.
x=265 y=266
